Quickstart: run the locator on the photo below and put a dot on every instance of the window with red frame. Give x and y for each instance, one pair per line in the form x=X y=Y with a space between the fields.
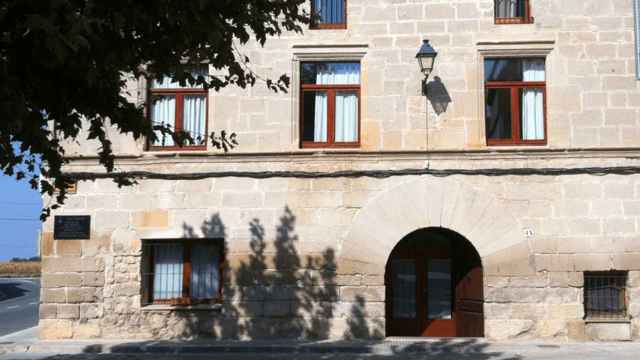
x=512 y=12
x=515 y=101
x=183 y=272
x=329 y=14
x=330 y=104
x=180 y=108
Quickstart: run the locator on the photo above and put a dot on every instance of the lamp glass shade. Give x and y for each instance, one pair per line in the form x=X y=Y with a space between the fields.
x=426 y=64
x=426 y=57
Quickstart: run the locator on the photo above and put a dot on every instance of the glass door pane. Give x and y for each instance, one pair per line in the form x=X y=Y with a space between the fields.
x=439 y=304
x=404 y=289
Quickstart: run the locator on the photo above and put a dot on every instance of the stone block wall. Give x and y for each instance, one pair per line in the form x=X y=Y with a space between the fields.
x=592 y=92
x=319 y=246
x=306 y=257
x=72 y=289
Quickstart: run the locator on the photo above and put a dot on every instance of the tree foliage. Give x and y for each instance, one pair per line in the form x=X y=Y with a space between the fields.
x=65 y=61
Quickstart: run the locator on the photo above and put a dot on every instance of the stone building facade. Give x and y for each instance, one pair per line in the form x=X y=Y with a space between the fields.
x=311 y=256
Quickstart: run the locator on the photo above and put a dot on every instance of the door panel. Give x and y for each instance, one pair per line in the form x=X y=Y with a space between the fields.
x=469 y=304
x=403 y=298
x=438 y=291
x=438 y=297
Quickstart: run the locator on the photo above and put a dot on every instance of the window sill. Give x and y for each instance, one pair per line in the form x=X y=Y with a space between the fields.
x=162 y=307
x=513 y=22
x=160 y=149
x=337 y=27
x=608 y=321
x=517 y=146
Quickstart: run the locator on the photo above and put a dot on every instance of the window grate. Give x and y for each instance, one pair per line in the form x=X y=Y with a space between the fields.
x=605 y=295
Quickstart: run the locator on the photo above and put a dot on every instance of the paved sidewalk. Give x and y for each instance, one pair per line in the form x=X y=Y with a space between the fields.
x=390 y=349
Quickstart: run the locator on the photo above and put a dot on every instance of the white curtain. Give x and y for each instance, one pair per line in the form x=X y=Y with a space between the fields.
x=320 y=118
x=330 y=11
x=163 y=113
x=338 y=74
x=346 y=117
x=193 y=119
x=205 y=276
x=507 y=8
x=168 y=271
x=346 y=121
x=533 y=101
x=167 y=83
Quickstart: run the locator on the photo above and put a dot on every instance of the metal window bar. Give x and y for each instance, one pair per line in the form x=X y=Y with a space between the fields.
x=605 y=295
x=163 y=269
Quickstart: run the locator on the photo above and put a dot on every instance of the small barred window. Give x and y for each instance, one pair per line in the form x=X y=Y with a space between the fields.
x=605 y=295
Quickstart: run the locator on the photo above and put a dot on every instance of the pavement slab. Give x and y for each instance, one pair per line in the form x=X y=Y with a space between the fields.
x=390 y=349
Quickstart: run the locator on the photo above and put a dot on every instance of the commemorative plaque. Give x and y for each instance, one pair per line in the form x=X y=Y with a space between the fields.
x=72 y=227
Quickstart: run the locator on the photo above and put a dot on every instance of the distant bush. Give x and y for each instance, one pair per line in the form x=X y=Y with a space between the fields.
x=20 y=269
x=33 y=258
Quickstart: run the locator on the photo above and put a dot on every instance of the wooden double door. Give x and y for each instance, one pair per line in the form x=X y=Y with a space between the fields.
x=434 y=287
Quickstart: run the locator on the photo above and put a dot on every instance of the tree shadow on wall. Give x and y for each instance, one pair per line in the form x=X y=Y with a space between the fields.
x=282 y=295
x=357 y=325
x=273 y=293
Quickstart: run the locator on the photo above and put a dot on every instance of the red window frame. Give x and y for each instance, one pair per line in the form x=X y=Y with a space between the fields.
x=525 y=19
x=185 y=299
x=332 y=26
x=331 y=114
x=179 y=94
x=515 y=87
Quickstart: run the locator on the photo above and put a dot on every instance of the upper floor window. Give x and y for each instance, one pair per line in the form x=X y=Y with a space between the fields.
x=183 y=109
x=605 y=295
x=515 y=104
x=329 y=14
x=512 y=12
x=330 y=104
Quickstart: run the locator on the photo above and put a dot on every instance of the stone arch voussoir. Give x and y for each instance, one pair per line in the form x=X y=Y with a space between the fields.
x=483 y=219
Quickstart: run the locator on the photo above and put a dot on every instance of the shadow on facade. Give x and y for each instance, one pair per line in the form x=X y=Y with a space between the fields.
x=285 y=301
x=437 y=95
x=272 y=292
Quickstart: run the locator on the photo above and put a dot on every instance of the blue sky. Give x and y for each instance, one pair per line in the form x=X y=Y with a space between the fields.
x=18 y=238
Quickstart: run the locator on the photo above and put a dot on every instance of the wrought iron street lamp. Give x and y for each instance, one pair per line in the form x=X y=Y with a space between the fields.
x=426 y=58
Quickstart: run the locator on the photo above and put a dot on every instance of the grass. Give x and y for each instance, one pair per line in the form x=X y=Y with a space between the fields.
x=20 y=269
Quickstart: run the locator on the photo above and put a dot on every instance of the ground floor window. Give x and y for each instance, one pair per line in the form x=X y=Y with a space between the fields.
x=605 y=295
x=182 y=272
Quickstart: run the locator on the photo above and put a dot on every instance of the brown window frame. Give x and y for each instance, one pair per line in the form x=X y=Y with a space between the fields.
x=526 y=19
x=333 y=26
x=331 y=111
x=179 y=94
x=515 y=87
x=607 y=278
x=185 y=299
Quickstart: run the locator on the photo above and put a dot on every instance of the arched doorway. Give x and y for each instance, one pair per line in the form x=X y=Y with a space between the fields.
x=434 y=286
